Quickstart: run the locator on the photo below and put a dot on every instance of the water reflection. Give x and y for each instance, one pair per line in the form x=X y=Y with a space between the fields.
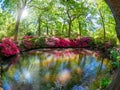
x=50 y=70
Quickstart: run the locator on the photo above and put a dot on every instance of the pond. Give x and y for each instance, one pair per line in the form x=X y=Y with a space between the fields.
x=56 y=69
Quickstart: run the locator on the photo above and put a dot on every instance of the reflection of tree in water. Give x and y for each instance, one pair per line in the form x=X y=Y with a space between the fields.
x=46 y=71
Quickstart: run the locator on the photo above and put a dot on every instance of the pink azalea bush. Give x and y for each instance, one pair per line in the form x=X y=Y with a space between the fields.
x=27 y=42
x=83 y=42
x=58 y=42
x=66 y=42
x=30 y=42
x=74 y=43
x=104 y=46
x=107 y=45
x=63 y=42
x=8 y=48
x=50 y=42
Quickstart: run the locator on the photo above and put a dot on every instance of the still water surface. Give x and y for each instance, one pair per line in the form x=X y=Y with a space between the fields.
x=65 y=69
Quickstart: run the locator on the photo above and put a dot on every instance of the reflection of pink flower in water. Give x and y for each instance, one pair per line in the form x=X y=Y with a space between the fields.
x=58 y=54
x=64 y=76
x=63 y=53
x=16 y=59
x=67 y=53
x=97 y=53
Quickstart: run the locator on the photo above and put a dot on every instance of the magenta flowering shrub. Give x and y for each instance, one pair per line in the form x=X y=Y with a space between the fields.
x=30 y=42
x=107 y=45
x=104 y=46
x=74 y=43
x=66 y=42
x=58 y=42
x=50 y=42
x=83 y=42
x=8 y=48
x=63 y=42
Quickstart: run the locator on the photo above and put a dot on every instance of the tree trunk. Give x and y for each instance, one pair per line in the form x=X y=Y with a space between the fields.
x=69 y=29
x=20 y=11
x=51 y=33
x=103 y=24
x=17 y=24
x=39 y=25
x=47 y=29
x=118 y=31
x=115 y=8
x=63 y=26
x=115 y=85
x=80 y=31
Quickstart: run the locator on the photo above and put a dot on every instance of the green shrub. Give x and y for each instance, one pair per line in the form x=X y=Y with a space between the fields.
x=105 y=82
x=2 y=34
x=38 y=42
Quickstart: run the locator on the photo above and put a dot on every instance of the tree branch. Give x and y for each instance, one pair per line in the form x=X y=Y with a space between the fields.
x=76 y=16
x=68 y=14
x=29 y=1
x=35 y=6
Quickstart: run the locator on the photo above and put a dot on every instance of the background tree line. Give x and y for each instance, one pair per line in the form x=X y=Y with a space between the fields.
x=56 y=17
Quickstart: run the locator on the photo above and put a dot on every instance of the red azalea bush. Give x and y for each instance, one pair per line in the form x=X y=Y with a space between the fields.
x=8 y=48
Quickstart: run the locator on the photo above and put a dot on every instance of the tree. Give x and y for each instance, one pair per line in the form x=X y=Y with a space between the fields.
x=115 y=85
x=59 y=17
x=103 y=22
x=114 y=6
x=73 y=9
x=21 y=6
x=39 y=25
x=43 y=12
x=18 y=5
